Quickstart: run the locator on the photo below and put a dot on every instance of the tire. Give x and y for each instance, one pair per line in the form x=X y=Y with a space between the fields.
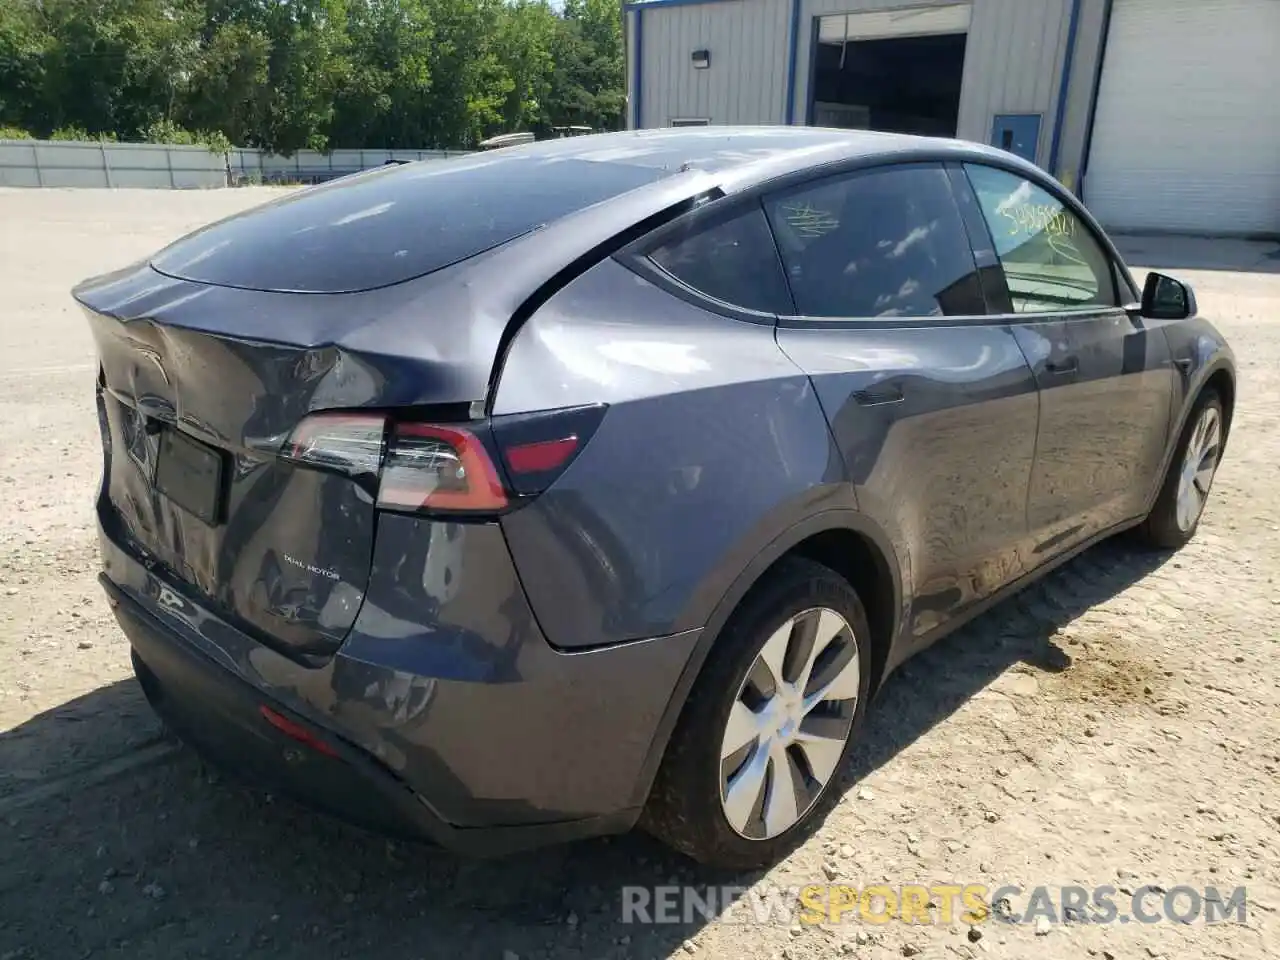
x=686 y=808
x=1165 y=528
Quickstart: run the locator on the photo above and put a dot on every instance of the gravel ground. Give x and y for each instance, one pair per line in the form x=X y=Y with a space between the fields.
x=1115 y=725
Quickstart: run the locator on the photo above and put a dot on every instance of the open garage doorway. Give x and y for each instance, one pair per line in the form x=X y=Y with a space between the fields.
x=894 y=70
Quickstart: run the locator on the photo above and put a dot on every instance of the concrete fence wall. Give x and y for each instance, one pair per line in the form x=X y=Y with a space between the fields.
x=56 y=163
x=309 y=166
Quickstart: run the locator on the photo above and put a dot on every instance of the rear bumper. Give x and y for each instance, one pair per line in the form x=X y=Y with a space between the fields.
x=482 y=744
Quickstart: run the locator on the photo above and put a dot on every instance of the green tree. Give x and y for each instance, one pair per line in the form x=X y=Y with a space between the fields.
x=385 y=97
x=23 y=41
x=588 y=85
x=229 y=87
x=526 y=38
x=114 y=65
x=288 y=74
x=303 y=45
x=469 y=85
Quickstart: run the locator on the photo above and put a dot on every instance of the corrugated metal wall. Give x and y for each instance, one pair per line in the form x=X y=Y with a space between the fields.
x=747 y=80
x=1013 y=62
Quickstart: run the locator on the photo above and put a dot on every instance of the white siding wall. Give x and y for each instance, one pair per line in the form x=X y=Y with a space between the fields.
x=1187 y=134
x=747 y=80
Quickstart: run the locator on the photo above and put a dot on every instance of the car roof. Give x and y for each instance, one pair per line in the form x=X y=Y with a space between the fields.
x=740 y=158
x=720 y=149
x=393 y=224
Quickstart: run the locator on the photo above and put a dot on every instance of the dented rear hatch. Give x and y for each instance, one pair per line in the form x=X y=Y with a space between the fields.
x=197 y=479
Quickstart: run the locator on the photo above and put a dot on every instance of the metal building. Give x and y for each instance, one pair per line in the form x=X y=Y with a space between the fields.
x=1162 y=114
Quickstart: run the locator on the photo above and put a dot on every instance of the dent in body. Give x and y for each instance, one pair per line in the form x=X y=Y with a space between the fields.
x=290 y=556
x=240 y=370
x=713 y=444
x=937 y=427
x=447 y=680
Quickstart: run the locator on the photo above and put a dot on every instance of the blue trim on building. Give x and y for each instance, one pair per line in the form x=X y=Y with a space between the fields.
x=792 y=56
x=637 y=73
x=1087 y=147
x=1064 y=87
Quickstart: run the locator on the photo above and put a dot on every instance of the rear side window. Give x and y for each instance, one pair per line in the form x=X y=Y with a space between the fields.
x=730 y=258
x=1051 y=260
x=880 y=243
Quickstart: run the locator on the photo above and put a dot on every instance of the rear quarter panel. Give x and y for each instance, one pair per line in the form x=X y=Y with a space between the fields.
x=714 y=444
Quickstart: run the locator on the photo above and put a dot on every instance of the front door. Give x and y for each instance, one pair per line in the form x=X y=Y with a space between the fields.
x=932 y=404
x=1105 y=374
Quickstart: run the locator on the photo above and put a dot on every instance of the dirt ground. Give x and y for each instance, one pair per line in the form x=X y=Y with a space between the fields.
x=1117 y=724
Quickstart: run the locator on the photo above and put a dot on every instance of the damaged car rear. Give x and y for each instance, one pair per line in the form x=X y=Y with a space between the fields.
x=303 y=488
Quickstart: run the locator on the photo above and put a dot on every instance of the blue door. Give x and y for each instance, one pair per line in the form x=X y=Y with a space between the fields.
x=1018 y=133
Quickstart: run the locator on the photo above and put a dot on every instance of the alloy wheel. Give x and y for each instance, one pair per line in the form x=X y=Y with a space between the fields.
x=1198 y=466
x=789 y=723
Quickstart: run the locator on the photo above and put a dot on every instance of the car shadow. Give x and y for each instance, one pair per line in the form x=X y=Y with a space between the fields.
x=170 y=858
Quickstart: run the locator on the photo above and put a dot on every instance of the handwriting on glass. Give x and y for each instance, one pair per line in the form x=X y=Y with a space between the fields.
x=1039 y=218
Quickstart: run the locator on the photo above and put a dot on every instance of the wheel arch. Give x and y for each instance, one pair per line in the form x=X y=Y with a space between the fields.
x=1222 y=380
x=845 y=540
x=1218 y=373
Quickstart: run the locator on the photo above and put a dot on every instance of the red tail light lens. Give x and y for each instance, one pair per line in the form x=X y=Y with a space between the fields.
x=432 y=467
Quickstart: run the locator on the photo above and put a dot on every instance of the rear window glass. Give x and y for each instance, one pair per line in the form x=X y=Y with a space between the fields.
x=391 y=225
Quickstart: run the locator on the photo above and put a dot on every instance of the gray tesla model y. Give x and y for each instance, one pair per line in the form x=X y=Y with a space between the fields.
x=539 y=493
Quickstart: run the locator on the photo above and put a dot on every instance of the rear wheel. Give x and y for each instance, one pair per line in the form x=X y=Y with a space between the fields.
x=753 y=764
x=1176 y=514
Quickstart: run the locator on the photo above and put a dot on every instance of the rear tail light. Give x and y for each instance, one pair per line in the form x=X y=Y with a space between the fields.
x=433 y=467
x=348 y=443
x=446 y=468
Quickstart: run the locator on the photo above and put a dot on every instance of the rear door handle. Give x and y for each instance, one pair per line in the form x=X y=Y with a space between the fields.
x=1064 y=366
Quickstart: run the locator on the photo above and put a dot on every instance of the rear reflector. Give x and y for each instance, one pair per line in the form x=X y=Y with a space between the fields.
x=296 y=731
x=537 y=457
x=432 y=467
x=538 y=448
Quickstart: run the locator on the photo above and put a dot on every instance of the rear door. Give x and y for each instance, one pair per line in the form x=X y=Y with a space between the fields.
x=930 y=401
x=1104 y=372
